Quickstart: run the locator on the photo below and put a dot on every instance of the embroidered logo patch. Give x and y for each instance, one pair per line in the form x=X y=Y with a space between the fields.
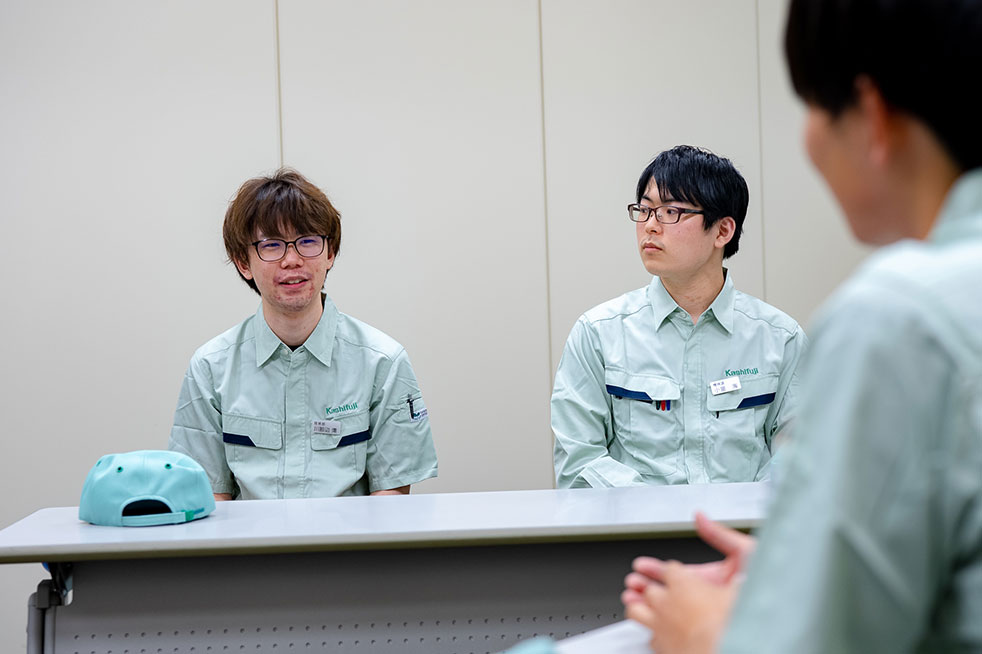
x=741 y=371
x=414 y=415
x=341 y=410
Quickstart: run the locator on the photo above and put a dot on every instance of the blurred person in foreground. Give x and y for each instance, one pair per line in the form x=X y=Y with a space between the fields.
x=874 y=539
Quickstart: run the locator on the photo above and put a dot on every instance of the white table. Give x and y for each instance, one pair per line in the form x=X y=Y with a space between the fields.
x=427 y=574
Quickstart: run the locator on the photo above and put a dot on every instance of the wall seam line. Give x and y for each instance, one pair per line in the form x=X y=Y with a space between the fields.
x=279 y=80
x=760 y=145
x=545 y=217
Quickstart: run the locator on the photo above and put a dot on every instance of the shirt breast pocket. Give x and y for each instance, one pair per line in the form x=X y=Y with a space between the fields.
x=252 y=448
x=645 y=415
x=346 y=449
x=735 y=429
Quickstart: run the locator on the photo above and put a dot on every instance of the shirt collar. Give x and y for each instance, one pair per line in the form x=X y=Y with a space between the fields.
x=962 y=210
x=722 y=306
x=320 y=343
x=663 y=305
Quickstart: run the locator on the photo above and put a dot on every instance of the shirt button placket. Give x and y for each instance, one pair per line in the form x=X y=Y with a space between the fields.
x=296 y=446
x=691 y=406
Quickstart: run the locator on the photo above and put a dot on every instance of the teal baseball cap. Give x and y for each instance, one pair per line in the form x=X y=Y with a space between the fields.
x=145 y=488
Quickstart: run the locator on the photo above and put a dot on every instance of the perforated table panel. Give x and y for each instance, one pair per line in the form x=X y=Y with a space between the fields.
x=434 y=574
x=460 y=600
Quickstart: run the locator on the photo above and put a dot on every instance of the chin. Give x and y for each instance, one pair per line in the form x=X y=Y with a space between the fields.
x=295 y=303
x=652 y=267
x=869 y=233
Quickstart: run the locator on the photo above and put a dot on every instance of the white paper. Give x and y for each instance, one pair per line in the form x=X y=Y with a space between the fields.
x=625 y=637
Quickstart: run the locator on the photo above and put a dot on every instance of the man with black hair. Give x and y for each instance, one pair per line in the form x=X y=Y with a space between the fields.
x=686 y=380
x=874 y=540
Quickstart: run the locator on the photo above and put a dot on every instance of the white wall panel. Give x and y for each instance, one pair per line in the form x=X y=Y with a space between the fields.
x=808 y=247
x=422 y=121
x=624 y=80
x=126 y=127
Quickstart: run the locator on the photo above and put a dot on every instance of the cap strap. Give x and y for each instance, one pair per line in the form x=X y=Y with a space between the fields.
x=152 y=519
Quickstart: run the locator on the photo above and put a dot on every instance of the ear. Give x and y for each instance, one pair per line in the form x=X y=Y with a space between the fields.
x=878 y=119
x=330 y=258
x=725 y=231
x=243 y=267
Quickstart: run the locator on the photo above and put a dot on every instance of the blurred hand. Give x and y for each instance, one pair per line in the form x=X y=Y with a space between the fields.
x=685 y=611
x=734 y=545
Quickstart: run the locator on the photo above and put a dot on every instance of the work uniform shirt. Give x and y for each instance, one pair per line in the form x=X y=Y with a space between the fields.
x=340 y=415
x=874 y=539
x=634 y=400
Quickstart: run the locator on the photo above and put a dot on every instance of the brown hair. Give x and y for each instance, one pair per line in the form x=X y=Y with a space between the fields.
x=274 y=205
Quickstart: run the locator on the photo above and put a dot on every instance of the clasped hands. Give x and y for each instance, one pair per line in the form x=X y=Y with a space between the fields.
x=687 y=606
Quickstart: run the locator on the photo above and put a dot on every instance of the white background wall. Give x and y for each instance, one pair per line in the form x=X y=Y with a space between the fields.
x=481 y=154
x=623 y=81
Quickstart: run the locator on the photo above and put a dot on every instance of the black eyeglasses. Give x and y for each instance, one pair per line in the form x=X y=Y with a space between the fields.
x=274 y=249
x=666 y=214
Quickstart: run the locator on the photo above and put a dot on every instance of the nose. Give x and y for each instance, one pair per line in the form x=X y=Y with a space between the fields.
x=652 y=225
x=291 y=259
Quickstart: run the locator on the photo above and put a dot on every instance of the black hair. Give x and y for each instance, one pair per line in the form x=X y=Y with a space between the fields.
x=699 y=177
x=924 y=57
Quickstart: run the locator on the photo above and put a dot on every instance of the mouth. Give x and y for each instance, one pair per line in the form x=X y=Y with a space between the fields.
x=650 y=247
x=293 y=281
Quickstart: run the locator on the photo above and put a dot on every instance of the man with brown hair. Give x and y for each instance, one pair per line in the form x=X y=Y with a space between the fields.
x=299 y=400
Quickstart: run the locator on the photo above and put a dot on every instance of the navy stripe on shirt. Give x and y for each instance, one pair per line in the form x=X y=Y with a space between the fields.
x=757 y=400
x=617 y=391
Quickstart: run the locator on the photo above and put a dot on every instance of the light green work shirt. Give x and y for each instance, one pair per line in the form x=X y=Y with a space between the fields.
x=874 y=539
x=340 y=415
x=633 y=402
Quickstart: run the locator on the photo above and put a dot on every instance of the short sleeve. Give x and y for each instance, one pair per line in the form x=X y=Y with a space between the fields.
x=197 y=429
x=788 y=399
x=401 y=450
x=581 y=417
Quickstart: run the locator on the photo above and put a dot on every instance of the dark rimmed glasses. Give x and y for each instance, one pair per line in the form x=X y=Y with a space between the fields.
x=274 y=249
x=666 y=214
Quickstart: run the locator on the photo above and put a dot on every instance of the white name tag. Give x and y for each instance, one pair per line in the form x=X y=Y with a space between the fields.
x=330 y=427
x=725 y=385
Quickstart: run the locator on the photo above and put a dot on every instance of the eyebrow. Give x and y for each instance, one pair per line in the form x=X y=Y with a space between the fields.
x=662 y=200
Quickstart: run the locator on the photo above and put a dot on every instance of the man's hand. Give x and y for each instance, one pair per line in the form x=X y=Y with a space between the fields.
x=402 y=490
x=736 y=546
x=687 y=606
x=685 y=612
